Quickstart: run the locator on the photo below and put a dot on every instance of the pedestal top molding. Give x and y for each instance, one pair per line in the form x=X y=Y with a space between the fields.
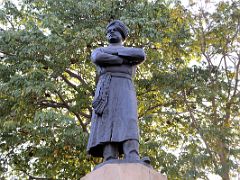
x=128 y=171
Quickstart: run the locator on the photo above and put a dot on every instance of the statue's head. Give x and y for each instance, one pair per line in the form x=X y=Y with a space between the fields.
x=116 y=31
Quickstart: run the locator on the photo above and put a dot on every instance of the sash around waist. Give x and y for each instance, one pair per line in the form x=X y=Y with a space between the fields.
x=117 y=74
x=99 y=103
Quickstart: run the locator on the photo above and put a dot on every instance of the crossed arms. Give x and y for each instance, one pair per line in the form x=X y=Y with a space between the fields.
x=117 y=56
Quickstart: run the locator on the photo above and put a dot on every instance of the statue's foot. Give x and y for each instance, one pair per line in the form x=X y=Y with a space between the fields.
x=110 y=158
x=146 y=160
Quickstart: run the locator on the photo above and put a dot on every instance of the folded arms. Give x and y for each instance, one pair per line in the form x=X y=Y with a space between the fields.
x=117 y=56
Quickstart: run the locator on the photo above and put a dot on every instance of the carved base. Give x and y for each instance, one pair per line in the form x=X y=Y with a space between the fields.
x=126 y=171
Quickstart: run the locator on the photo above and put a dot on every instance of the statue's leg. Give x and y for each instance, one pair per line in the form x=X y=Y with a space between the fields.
x=110 y=151
x=131 y=150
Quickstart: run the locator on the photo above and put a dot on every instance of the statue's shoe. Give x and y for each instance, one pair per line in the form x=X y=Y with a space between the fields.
x=146 y=160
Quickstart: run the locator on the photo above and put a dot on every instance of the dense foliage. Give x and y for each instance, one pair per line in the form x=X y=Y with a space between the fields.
x=188 y=89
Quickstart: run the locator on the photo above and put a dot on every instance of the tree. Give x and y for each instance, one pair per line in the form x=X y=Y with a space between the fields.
x=47 y=85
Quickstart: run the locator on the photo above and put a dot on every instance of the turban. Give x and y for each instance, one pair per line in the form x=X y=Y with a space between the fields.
x=121 y=27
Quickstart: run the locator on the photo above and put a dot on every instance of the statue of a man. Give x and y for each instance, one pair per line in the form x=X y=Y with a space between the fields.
x=114 y=123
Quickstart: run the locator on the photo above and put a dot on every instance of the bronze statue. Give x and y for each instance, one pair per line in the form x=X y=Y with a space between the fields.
x=114 y=123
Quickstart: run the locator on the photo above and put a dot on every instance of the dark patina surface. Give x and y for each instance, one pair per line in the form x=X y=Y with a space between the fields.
x=114 y=123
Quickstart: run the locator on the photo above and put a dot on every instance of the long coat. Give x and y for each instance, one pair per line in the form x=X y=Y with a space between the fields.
x=119 y=120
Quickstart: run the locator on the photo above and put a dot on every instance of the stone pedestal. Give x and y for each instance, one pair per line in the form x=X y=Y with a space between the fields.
x=126 y=171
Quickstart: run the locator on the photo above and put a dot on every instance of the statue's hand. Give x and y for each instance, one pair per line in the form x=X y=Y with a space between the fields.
x=112 y=50
x=128 y=61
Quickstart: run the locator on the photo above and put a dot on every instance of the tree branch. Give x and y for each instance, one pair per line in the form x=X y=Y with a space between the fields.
x=198 y=129
x=236 y=78
x=80 y=79
x=49 y=103
x=69 y=83
x=6 y=53
x=13 y=27
x=76 y=114
x=236 y=33
x=30 y=177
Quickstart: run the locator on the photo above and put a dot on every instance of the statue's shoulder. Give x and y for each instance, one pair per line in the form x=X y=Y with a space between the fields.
x=99 y=49
x=103 y=48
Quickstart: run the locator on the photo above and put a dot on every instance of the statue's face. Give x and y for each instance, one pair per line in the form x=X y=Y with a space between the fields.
x=113 y=35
